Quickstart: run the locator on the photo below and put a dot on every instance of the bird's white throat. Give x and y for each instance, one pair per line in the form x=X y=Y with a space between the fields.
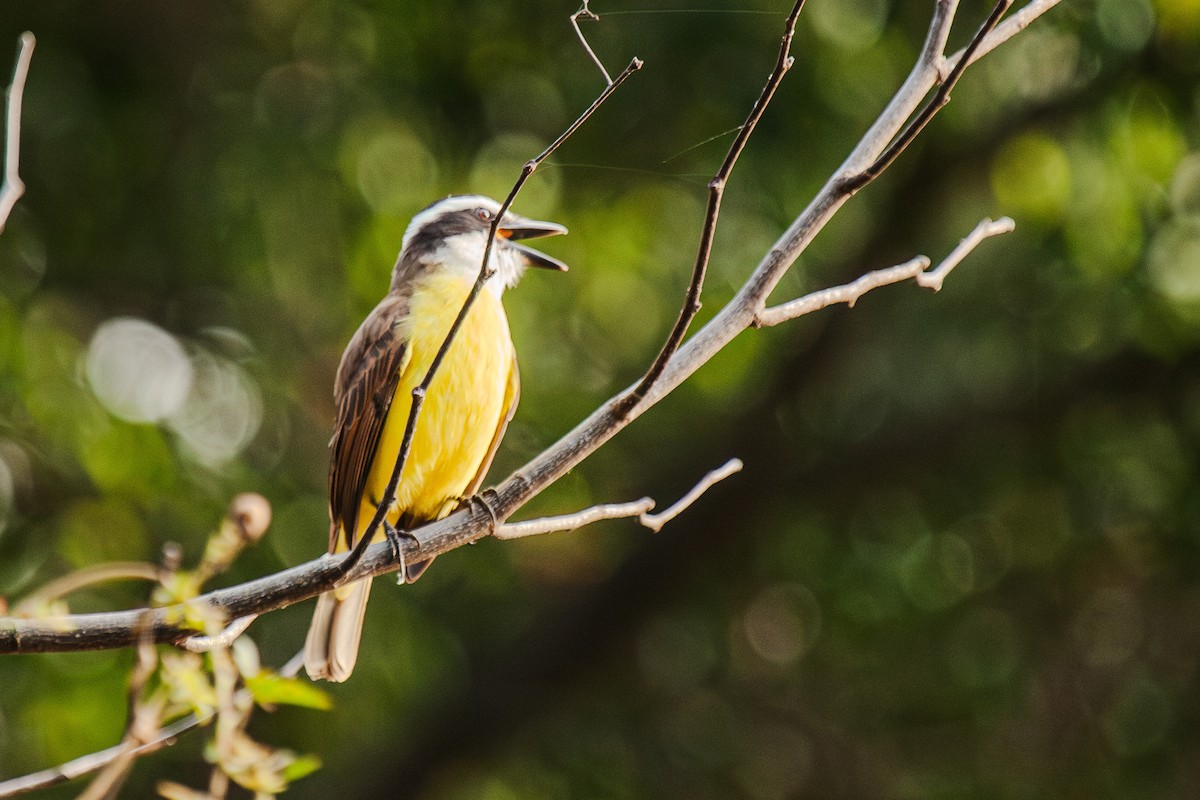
x=463 y=254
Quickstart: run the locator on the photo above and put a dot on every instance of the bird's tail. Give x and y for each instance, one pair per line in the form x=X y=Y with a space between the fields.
x=332 y=644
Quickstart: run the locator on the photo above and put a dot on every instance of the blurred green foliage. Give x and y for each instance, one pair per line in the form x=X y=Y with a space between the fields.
x=962 y=560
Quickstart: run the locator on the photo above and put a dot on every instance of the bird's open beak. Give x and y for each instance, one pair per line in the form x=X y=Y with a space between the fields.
x=520 y=228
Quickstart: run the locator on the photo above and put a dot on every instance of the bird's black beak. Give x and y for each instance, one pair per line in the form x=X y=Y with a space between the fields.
x=515 y=228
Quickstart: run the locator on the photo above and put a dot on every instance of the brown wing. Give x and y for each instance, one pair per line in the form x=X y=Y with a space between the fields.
x=512 y=395
x=366 y=382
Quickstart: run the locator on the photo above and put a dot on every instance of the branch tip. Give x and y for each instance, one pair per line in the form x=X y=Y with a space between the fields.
x=655 y=522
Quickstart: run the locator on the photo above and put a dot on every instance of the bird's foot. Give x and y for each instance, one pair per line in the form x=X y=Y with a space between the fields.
x=395 y=540
x=485 y=500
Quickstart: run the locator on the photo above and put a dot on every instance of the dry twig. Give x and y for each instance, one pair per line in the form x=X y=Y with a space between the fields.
x=655 y=522
x=917 y=268
x=587 y=13
x=13 y=187
x=716 y=189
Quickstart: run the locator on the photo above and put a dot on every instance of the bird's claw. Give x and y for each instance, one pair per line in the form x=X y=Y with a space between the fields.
x=395 y=539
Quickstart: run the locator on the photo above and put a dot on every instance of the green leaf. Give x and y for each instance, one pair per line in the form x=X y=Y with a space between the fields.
x=302 y=766
x=270 y=689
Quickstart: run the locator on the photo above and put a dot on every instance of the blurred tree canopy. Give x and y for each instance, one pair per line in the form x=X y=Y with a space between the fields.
x=963 y=558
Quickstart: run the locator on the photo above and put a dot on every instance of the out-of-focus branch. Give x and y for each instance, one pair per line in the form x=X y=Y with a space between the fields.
x=85 y=577
x=918 y=268
x=92 y=762
x=13 y=187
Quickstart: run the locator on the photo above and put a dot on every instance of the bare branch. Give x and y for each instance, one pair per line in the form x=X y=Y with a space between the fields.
x=655 y=522
x=223 y=640
x=587 y=13
x=13 y=187
x=849 y=293
x=570 y=522
x=984 y=230
x=636 y=508
x=716 y=189
x=1016 y=23
x=940 y=98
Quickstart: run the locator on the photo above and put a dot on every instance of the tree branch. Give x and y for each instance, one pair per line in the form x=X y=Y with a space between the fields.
x=570 y=522
x=115 y=629
x=716 y=189
x=635 y=508
x=13 y=187
x=918 y=268
x=587 y=13
x=940 y=98
x=655 y=522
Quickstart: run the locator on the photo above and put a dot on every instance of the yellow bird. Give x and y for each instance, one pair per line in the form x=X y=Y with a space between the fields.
x=465 y=413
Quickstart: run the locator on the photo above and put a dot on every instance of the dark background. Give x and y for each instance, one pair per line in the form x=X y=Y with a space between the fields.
x=962 y=558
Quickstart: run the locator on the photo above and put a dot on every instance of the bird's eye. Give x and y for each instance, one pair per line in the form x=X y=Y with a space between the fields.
x=484 y=214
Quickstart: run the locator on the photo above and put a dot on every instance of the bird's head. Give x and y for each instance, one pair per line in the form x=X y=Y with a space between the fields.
x=452 y=234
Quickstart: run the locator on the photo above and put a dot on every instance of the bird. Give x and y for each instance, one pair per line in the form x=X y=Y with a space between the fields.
x=466 y=411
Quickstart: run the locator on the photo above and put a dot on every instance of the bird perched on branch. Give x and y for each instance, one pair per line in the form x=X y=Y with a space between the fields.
x=469 y=403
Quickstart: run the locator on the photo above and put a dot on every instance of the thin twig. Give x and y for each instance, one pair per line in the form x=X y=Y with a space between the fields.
x=587 y=13
x=847 y=293
x=635 y=508
x=655 y=522
x=940 y=98
x=570 y=522
x=984 y=230
x=143 y=725
x=88 y=576
x=224 y=639
x=917 y=268
x=716 y=189
x=485 y=272
x=13 y=187
x=1016 y=23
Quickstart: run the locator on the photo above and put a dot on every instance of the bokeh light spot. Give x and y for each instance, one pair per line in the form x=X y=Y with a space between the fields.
x=395 y=172
x=1031 y=176
x=851 y=25
x=1127 y=24
x=1139 y=717
x=221 y=414
x=138 y=371
x=499 y=162
x=1109 y=627
x=1185 y=187
x=782 y=623
x=1174 y=263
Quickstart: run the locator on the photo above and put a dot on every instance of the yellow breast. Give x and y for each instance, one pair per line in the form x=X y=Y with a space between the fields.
x=462 y=410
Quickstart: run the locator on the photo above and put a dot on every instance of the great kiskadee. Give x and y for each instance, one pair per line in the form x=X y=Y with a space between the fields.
x=468 y=406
